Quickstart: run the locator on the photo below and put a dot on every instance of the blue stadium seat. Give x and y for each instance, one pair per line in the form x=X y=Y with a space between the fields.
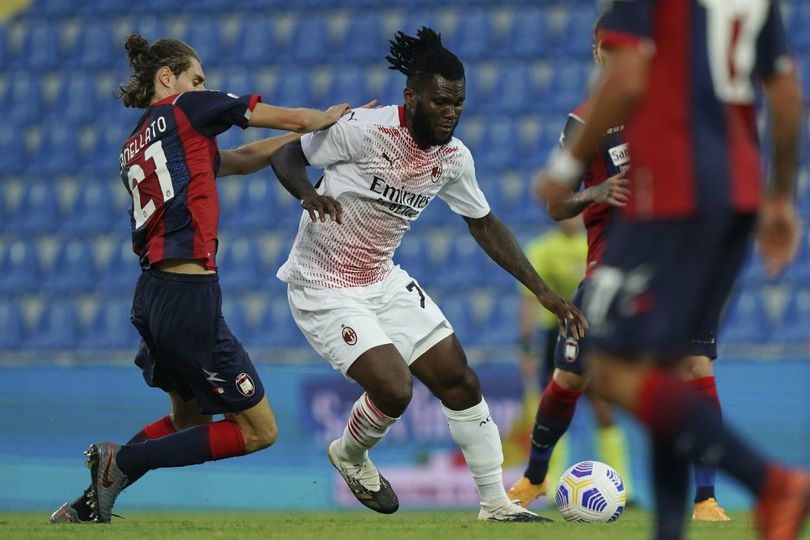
x=40 y=48
x=96 y=46
x=253 y=45
x=273 y=248
x=255 y=207
x=350 y=83
x=412 y=256
x=38 y=210
x=456 y=309
x=575 y=37
x=121 y=271
x=51 y=7
x=238 y=263
x=794 y=327
x=291 y=90
x=568 y=85
x=58 y=152
x=11 y=148
x=91 y=211
x=233 y=311
x=494 y=317
x=276 y=328
x=473 y=38
x=528 y=35
x=745 y=320
x=73 y=269
x=203 y=34
x=24 y=103
x=76 y=101
x=366 y=41
x=57 y=327
x=12 y=328
x=499 y=143
x=20 y=268
x=111 y=327
x=308 y=39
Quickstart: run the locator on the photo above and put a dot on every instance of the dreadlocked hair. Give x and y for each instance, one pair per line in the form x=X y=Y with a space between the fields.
x=422 y=57
x=145 y=61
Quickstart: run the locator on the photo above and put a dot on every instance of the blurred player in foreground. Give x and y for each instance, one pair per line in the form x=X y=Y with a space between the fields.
x=606 y=188
x=682 y=80
x=169 y=165
x=369 y=318
x=560 y=257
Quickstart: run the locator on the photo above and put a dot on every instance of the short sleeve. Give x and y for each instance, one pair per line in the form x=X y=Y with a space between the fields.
x=341 y=142
x=773 y=57
x=463 y=195
x=628 y=23
x=212 y=112
x=573 y=127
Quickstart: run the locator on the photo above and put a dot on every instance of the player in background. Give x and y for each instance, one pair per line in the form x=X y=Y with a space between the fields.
x=368 y=317
x=560 y=257
x=682 y=79
x=605 y=188
x=169 y=164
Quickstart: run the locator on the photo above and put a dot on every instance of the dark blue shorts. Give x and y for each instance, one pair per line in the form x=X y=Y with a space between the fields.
x=663 y=284
x=186 y=345
x=568 y=352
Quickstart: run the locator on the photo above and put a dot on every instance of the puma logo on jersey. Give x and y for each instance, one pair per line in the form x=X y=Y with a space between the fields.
x=389 y=160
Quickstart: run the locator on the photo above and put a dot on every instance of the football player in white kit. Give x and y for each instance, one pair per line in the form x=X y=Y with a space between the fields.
x=368 y=317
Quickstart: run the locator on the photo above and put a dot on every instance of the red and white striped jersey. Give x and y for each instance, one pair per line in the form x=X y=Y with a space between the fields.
x=384 y=181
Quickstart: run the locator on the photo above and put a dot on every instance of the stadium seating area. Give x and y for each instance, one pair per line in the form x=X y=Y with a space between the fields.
x=66 y=267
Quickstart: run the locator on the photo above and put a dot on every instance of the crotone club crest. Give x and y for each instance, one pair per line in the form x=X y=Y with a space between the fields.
x=349 y=335
x=244 y=383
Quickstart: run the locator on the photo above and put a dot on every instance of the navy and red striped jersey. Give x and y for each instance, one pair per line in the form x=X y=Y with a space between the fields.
x=611 y=158
x=169 y=164
x=693 y=136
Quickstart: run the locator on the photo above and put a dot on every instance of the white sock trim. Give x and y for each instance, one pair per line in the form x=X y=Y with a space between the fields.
x=476 y=412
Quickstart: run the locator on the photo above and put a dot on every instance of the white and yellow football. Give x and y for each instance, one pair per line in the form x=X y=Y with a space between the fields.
x=591 y=492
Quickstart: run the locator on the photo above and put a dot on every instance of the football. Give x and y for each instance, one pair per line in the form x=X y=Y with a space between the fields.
x=591 y=492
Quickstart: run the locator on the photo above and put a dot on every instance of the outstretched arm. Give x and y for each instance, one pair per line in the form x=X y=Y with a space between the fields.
x=290 y=166
x=298 y=120
x=613 y=191
x=500 y=244
x=624 y=80
x=779 y=228
x=252 y=157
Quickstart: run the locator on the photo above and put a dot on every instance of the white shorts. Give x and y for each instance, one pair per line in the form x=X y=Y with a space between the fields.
x=341 y=324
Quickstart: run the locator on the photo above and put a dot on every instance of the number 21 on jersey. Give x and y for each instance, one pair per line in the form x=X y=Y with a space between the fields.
x=138 y=179
x=732 y=28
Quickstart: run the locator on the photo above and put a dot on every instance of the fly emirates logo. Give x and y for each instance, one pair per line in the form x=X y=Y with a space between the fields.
x=397 y=200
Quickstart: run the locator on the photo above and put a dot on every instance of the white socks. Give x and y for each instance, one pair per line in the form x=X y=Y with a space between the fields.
x=476 y=434
x=366 y=427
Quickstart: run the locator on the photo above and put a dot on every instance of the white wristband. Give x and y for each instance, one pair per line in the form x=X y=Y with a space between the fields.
x=564 y=167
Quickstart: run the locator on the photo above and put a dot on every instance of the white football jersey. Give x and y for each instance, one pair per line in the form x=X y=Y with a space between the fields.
x=383 y=180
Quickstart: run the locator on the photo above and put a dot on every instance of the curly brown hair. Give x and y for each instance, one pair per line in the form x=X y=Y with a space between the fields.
x=146 y=60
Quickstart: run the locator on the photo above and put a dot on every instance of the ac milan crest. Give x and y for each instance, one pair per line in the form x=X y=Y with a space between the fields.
x=436 y=172
x=349 y=335
x=245 y=385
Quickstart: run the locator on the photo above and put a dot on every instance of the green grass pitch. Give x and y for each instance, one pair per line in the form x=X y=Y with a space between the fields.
x=352 y=525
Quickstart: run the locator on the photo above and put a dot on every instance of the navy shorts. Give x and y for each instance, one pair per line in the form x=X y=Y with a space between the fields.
x=186 y=345
x=569 y=356
x=663 y=284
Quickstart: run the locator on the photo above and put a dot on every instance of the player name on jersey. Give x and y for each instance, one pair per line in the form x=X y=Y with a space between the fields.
x=141 y=139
